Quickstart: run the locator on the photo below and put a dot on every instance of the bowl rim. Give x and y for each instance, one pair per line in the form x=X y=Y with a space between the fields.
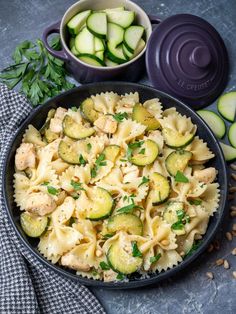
x=158 y=277
x=102 y=68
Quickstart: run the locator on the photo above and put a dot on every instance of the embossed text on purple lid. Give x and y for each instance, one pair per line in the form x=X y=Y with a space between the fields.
x=187 y=58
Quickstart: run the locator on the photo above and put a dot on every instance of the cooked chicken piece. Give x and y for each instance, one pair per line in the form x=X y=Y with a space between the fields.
x=25 y=156
x=40 y=203
x=73 y=262
x=106 y=124
x=109 y=275
x=56 y=121
x=206 y=175
x=60 y=113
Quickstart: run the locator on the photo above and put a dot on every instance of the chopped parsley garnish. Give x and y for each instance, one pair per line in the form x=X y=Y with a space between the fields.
x=195 y=202
x=180 y=177
x=135 y=250
x=76 y=185
x=142 y=151
x=144 y=181
x=155 y=258
x=183 y=218
x=195 y=246
x=128 y=208
x=74 y=109
x=107 y=236
x=51 y=189
x=89 y=147
x=132 y=146
x=120 y=276
x=82 y=161
x=104 y=266
x=120 y=116
x=123 y=160
x=98 y=163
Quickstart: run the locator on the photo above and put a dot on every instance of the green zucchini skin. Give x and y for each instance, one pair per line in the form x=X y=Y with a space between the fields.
x=160 y=188
x=177 y=161
x=32 y=225
x=128 y=222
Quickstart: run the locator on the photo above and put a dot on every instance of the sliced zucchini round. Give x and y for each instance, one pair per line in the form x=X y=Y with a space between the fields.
x=174 y=139
x=72 y=42
x=215 y=122
x=91 y=59
x=88 y=110
x=229 y=152
x=75 y=130
x=127 y=53
x=33 y=225
x=110 y=63
x=115 y=54
x=140 y=47
x=232 y=134
x=177 y=161
x=143 y=116
x=227 y=106
x=100 y=55
x=98 y=44
x=111 y=152
x=102 y=205
x=122 y=18
x=170 y=215
x=68 y=154
x=45 y=126
x=115 y=34
x=97 y=24
x=75 y=24
x=84 y=42
x=50 y=136
x=160 y=188
x=74 y=51
x=132 y=36
x=122 y=261
x=145 y=155
x=127 y=222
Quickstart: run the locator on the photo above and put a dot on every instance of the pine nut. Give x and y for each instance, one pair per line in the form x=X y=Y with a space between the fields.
x=233 y=207
x=211 y=276
x=233 y=213
x=233 y=233
x=234 y=274
x=234 y=227
x=229 y=236
x=210 y=248
x=232 y=189
x=165 y=242
x=233 y=166
x=217 y=245
x=233 y=175
x=219 y=262
x=226 y=264
x=231 y=197
x=234 y=251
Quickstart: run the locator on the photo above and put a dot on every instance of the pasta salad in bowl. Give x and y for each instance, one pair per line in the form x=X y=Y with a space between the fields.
x=115 y=189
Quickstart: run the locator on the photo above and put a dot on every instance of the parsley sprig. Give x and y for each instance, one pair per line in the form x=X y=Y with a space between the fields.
x=50 y=189
x=144 y=181
x=155 y=258
x=98 y=163
x=77 y=185
x=40 y=74
x=135 y=250
x=183 y=218
x=129 y=208
x=180 y=177
x=132 y=146
x=120 y=116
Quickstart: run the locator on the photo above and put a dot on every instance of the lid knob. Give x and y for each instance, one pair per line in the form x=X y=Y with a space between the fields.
x=200 y=57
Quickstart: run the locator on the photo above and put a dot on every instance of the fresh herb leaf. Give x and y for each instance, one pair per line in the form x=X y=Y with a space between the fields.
x=123 y=160
x=135 y=250
x=77 y=185
x=98 y=163
x=177 y=225
x=75 y=109
x=104 y=266
x=45 y=183
x=129 y=208
x=131 y=147
x=183 y=218
x=40 y=75
x=93 y=172
x=89 y=147
x=107 y=236
x=142 y=151
x=82 y=161
x=155 y=258
x=144 y=181
x=120 y=276
x=120 y=116
x=52 y=190
x=195 y=246
x=195 y=202
x=125 y=198
x=180 y=177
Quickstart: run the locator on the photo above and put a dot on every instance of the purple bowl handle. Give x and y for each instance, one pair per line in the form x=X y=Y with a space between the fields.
x=54 y=28
x=154 y=19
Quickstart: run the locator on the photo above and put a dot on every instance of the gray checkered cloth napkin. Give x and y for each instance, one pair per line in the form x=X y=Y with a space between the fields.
x=27 y=286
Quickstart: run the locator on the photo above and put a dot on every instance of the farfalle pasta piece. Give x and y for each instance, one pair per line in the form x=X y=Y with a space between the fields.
x=77 y=174
x=154 y=106
x=21 y=187
x=128 y=130
x=105 y=102
x=199 y=149
x=168 y=259
x=157 y=137
x=210 y=198
x=32 y=135
x=127 y=102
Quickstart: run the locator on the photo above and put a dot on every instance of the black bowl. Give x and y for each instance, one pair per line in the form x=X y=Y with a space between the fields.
x=74 y=97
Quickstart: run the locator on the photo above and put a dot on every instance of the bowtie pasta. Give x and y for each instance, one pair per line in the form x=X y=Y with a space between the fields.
x=115 y=187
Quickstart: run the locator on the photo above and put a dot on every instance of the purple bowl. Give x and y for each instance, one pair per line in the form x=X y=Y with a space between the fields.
x=85 y=73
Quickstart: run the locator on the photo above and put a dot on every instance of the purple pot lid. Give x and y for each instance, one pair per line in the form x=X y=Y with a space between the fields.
x=187 y=58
